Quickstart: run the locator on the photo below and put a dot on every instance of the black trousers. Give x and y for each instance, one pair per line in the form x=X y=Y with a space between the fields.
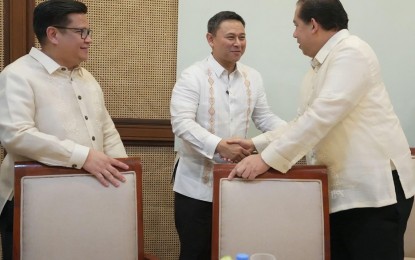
x=6 y=230
x=193 y=220
x=371 y=233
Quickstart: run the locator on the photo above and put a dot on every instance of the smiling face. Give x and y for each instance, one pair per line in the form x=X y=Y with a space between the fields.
x=228 y=43
x=71 y=49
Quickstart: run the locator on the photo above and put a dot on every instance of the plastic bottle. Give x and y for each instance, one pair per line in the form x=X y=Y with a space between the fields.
x=242 y=256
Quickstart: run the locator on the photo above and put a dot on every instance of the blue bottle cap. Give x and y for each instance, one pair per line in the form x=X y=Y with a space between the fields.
x=242 y=256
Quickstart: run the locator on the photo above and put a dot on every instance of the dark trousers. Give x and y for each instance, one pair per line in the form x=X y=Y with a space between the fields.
x=371 y=233
x=193 y=220
x=6 y=230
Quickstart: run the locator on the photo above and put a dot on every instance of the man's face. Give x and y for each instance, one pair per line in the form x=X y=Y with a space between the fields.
x=303 y=34
x=73 y=49
x=229 y=43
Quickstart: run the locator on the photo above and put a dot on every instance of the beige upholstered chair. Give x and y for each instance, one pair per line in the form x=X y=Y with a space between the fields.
x=410 y=229
x=285 y=215
x=63 y=213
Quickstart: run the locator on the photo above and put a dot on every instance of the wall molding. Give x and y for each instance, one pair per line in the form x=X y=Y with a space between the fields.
x=145 y=132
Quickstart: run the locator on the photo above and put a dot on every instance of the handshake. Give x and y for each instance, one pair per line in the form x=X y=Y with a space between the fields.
x=235 y=149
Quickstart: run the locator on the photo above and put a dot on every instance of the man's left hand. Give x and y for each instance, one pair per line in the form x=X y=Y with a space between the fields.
x=249 y=168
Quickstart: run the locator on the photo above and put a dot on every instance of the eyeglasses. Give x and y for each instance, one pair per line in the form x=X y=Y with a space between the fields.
x=85 y=32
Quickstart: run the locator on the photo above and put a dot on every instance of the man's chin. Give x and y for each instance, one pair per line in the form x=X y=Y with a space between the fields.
x=84 y=58
x=237 y=58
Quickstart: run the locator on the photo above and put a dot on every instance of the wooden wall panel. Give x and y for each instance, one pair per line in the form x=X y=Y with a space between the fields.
x=2 y=35
x=160 y=236
x=133 y=56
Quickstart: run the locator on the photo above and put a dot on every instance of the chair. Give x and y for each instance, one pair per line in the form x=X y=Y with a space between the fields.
x=409 y=239
x=65 y=213
x=283 y=214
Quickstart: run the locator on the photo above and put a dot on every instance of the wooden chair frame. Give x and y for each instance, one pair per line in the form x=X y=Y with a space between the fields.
x=222 y=171
x=23 y=169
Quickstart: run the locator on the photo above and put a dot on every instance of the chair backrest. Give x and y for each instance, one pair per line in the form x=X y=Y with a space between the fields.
x=64 y=213
x=282 y=214
x=409 y=239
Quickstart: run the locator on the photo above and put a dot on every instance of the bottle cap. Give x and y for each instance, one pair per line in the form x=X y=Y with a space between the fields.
x=242 y=256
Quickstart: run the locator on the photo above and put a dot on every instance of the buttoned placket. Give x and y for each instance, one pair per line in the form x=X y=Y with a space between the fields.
x=81 y=102
x=227 y=78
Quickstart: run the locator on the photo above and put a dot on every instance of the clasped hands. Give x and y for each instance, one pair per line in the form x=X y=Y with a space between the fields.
x=240 y=151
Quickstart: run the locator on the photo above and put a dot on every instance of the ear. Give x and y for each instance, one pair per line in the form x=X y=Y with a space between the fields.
x=315 y=26
x=52 y=35
x=209 y=38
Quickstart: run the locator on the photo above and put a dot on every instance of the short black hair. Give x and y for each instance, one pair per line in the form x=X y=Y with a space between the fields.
x=54 y=12
x=330 y=14
x=217 y=19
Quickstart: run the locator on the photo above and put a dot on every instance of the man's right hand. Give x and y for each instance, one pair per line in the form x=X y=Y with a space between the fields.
x=245 y=143
x=103 y=168
x=231 y=151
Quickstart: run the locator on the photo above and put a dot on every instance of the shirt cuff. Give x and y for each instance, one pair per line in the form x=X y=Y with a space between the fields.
x=211 y=145
x=79 y=155
x=276 y=161
x=261 y=142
